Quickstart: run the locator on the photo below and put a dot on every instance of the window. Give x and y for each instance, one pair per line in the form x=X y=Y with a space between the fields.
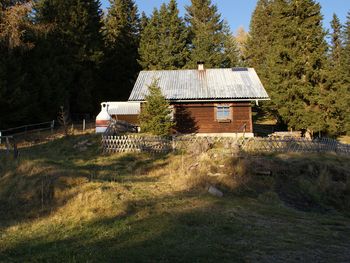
x=223 y=112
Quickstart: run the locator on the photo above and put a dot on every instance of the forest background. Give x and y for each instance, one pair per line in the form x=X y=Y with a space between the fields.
x=77 y=53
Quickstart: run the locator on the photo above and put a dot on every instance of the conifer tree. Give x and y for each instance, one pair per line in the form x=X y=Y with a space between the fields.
x=260 y=38
x=333 y=96
x=76 y=35
x=346 y=70
x=122 y=33
x=16 y=105
x=336 y=41
x=296 y=61
x=143 y=21
x=208 y=34
x=346 y=51
x=164 y=39
x=155 y=115
x=149 y=51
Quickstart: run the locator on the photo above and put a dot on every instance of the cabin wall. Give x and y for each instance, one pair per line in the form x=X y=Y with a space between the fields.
x=201 y=118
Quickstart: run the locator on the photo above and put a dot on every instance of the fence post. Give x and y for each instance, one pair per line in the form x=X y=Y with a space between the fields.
x=83 y=125
x=7 y=146
x=52 y=125
x=0 y=137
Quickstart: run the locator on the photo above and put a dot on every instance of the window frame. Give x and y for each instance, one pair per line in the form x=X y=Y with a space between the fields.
x=224 y=108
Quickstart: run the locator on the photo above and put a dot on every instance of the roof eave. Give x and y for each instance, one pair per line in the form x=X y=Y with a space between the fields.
x=211 y=100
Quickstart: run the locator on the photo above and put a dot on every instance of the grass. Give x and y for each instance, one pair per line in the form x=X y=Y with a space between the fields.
x=344 y=139
x=63 y=203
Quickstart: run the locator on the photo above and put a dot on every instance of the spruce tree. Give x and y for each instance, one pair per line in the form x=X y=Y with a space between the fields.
x=76 y=34
x=16 y=103
x=207 y=35
x=333 y=96
x=346 y=51
x=121 y=33
x=150 y=38
x=336 y=41
x=346 y=70
x=164 y=39
x=143 y=21
x=296 y=61
x=155 y=114
x=260 y=38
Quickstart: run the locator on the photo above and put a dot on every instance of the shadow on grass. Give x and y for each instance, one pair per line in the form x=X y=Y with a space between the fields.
x=193 y=229
x=142 y=234
x=28 y=191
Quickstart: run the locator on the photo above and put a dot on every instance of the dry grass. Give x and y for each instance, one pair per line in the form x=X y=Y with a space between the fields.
x=344 y=139
x=60 y=203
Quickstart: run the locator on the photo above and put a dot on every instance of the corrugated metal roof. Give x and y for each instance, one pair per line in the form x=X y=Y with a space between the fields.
x=123 y=108
x=228 y=83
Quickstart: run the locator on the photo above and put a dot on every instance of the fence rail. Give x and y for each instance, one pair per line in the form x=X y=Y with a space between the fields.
x=154 y=144
x=20 y=130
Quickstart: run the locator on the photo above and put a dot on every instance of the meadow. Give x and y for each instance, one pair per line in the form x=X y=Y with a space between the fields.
x=64 y=201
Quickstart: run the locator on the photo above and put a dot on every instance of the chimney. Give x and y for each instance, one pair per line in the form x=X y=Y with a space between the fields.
x=200 y=65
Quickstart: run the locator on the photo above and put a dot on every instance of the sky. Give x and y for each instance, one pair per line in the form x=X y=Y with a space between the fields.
x=238 y=12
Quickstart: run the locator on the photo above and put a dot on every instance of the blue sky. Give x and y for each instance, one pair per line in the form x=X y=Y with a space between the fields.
x=238 y=12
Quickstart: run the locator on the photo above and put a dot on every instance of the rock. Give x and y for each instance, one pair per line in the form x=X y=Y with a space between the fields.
x=214 y=191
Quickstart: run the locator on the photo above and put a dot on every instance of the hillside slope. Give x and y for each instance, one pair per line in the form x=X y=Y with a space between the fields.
x=66 y=202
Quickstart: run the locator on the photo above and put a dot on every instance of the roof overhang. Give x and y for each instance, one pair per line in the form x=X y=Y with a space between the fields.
x=212 y=100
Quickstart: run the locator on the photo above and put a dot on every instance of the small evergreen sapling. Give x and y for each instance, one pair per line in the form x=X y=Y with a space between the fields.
x=155 y=117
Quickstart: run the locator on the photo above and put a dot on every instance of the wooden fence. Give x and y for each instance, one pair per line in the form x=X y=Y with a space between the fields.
x=10 y=146
x=154 y=144
x=284 y=145
x=134 y=143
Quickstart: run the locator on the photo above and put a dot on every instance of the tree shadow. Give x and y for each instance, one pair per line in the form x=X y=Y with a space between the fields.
x=158 y=236
x=185 y=123
x=51 y=168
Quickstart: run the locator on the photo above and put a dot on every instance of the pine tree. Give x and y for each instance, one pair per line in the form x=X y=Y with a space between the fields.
x=173 y=37
x=296 y=61
x=76 y=35
x=346 y=70
x=143 y=21
x=208 y=35
x=332 y=99
x=149 y=51
x=164 y=40
x=15 y=96
x=122 y=33
x=155 y=114
x=346 y=51
x=336 y=41
x=260 y=38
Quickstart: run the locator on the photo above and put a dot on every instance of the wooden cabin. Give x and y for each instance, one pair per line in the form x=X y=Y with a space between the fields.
x=207 y=101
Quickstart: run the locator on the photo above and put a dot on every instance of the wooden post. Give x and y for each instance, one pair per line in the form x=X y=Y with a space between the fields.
x=83 y=125
x=0 y=137
x=42 y=193
x=15 y=149
x=7 y=146
x=52 y=125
